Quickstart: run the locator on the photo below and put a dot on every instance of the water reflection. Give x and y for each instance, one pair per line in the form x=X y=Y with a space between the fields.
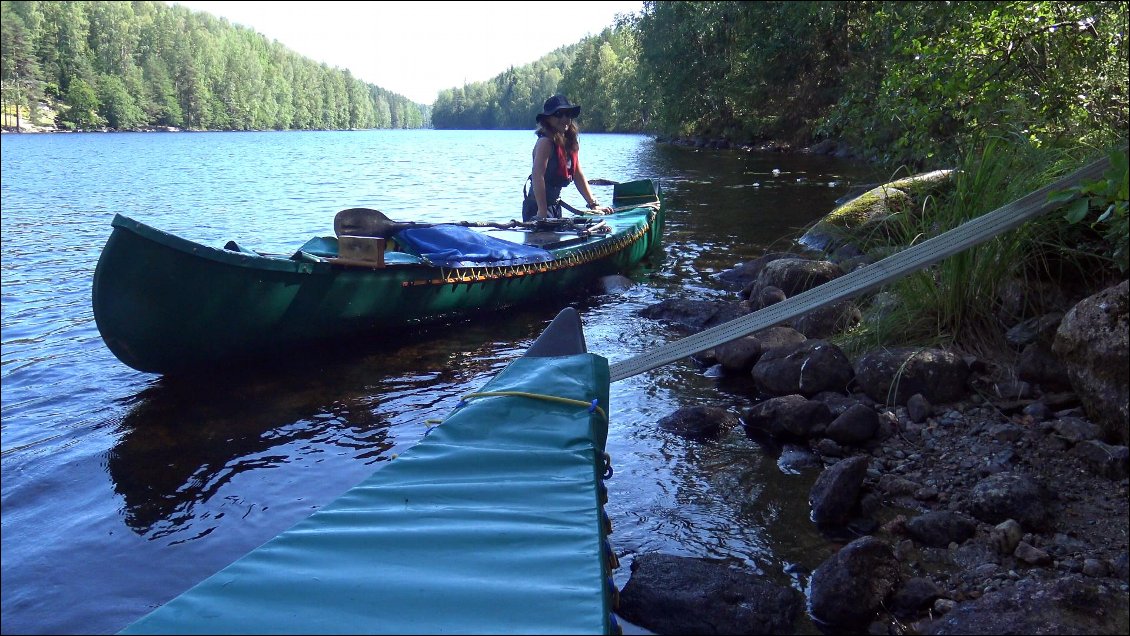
x=183 y=443
x=187 y=440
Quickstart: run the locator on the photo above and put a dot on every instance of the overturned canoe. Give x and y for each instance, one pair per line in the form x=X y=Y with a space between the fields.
x=493 y=523
x=164 y=304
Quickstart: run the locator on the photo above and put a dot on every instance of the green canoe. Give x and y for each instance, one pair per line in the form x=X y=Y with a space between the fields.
x=493 y=523
x=164 y=304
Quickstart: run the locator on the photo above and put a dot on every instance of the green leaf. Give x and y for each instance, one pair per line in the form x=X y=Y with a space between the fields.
x=1062 y=196
x=1077 y=211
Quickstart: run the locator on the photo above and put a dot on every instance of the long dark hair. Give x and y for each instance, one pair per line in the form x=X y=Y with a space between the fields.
x=567 y=139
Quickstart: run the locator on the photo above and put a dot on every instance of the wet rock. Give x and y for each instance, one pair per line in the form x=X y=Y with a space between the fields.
x=699 y=422
x=808 y=367
x=615 y=284
x=848 y=588
x=767 y=296
x=796 y=275
x=789 y=417
x=689 y=315
x=836 y=492
x=793 y=459
x=738 y=356
x=777 y=337
x=913 y=596
x=682 y=595
x=745 y=273
x=837 y=402
x=854 y=426
x=725 y=313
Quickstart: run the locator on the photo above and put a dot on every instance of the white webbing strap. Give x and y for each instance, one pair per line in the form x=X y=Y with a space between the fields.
x=964 y=236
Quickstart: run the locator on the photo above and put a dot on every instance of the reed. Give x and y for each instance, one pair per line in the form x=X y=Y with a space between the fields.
x=969 y=300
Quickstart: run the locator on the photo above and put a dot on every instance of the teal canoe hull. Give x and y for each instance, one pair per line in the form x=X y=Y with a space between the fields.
x=493 y=523
x=164 y=304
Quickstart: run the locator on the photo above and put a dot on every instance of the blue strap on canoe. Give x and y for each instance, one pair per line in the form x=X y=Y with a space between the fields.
x=457 y=246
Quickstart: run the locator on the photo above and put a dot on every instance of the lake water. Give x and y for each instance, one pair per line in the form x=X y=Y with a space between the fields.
x=122 y=490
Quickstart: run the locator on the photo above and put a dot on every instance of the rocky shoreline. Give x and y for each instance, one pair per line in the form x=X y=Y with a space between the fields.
x=958 y=495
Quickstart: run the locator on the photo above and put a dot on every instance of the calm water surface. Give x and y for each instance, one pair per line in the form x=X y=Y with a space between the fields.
x=121 y=490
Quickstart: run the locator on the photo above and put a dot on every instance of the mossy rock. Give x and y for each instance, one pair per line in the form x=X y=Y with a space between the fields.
x=874 y=206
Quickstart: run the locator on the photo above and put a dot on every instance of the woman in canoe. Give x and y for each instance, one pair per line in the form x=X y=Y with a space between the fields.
x=556 y=163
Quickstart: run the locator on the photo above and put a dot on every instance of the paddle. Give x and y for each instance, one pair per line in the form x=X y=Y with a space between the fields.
x=370 y=222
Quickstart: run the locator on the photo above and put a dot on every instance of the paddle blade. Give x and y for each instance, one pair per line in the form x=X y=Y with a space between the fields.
x=362 y=222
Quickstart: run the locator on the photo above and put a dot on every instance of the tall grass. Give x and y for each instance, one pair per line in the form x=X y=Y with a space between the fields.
x=960 y=303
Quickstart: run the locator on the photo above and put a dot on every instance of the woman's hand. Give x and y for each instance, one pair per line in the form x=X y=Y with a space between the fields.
x=596 y=208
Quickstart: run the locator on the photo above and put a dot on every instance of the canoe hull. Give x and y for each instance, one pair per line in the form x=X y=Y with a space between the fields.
x=165 y=305
x=494 y=523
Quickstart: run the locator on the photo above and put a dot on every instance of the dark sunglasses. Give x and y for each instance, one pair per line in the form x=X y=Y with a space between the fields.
x=562 y=113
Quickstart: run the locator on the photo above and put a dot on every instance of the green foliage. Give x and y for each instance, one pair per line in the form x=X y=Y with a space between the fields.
x=951 y=71
x=964 y=300
x=82 y=105
x=956 y=302
x=600 y=72
x=1103 y=205
x=507 y=101
x=118 y=106
x=160 y=65
x=18 y=67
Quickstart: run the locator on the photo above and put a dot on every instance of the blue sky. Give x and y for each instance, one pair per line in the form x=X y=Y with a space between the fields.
x=417 y=49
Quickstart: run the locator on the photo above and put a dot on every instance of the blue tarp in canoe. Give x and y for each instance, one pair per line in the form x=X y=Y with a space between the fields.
x=457 y=246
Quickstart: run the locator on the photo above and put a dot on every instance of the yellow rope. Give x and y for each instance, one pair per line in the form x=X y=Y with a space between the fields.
x=538 y=396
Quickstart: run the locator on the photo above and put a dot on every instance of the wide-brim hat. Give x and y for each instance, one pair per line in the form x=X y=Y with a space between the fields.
x=556 y=103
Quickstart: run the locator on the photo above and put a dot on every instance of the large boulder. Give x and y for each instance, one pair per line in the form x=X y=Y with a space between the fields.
x=850 y=587
x=873 y=207
x=699 y=422
x=794 y=275
x=807 y=368
x=834 y=496
x=1092 y=343
x=892 y=376
x=670 y=594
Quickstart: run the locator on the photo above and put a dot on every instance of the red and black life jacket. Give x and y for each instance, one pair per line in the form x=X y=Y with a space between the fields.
x=558 y=174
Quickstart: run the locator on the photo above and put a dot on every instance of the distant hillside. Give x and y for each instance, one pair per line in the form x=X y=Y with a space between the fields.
x=144 y=65
x=599 y=72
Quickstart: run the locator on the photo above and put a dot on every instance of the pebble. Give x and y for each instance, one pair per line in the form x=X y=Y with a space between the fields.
x=944 y=605
x=1095 y=568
